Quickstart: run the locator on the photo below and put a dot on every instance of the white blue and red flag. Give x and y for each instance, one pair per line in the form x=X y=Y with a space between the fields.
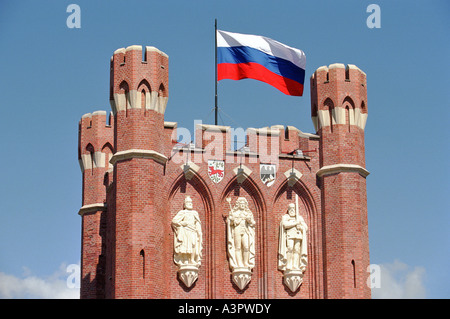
x=245 y=56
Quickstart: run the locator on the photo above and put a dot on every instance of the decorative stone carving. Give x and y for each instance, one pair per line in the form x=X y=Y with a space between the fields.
x=189 y=170
x=241 y=172
x=292 y=247
x=241 y=277
x=292 y=175
x=187 y=242
x=188 y=274
x=241 y=241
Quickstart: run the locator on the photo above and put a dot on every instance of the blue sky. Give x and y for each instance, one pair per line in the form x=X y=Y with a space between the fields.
x=50 y=75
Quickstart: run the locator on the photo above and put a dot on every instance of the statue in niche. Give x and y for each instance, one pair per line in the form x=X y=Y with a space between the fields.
x=292 y=248
x=187 y=242
x=241 y=241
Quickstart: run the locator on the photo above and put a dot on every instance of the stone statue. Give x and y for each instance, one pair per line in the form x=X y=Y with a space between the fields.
x=187 y=242
x=292 y=247
x=241 y=241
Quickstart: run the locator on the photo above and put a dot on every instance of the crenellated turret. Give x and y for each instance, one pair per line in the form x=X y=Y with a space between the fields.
x=339 y=113
x=139 y=90
x=338 y=96
x=139 y=79
x=95 y=140
x=95 y=149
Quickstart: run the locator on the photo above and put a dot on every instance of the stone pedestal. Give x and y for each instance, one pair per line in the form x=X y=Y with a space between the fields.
x=293 y=279
x=188 y=274
x=241 y=277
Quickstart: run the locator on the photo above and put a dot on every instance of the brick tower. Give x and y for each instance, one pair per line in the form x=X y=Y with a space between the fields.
x=137 y=180
x=139 y=92
x=339 y=113
x=95 y=150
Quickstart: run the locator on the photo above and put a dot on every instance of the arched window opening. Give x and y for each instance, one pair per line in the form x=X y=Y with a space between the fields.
x=349 y=106
x=144 y=89
x=108 y=151
x=124 y=89
x=329 y=105
x=161 y=90
x=143 y=105
x=90 y=149
x=347 y=117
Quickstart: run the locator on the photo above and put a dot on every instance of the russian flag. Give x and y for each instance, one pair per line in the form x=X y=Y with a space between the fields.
x=245 y=56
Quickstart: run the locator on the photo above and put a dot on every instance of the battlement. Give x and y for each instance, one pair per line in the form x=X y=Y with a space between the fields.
x=338 y=96
x=269 y=144
x=124 y=52
x=338 y=72
x=97 y=119
x=139 y=79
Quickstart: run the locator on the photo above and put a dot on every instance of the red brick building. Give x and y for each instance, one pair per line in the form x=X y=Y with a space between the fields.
x=136 y=178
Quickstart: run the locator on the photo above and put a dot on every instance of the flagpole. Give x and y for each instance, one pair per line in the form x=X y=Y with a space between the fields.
x=215 y=50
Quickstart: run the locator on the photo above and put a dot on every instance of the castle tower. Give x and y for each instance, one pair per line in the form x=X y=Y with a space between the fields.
x=136 y=179
x=138 y=96
x=339 y=113
x=95 y=139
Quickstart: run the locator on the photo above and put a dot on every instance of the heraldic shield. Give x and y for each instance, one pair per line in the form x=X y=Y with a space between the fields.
x=216 y=170
x=268 y=173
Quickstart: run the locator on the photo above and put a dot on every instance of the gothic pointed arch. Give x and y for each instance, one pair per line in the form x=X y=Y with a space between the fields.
x=194 y=187
x=305 y=196
x=349 y=107
x=91 y=157
x=198 y=183
x=329 y=117
x=308 y=208
x=144 y=85
x=257 y=205
x=144 y=92
x=108 y=150
x=125 y=102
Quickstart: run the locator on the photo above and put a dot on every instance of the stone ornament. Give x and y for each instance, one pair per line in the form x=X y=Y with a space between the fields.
x=187 y=242
x=292 y=247
x=241 y=241
x=292 y=176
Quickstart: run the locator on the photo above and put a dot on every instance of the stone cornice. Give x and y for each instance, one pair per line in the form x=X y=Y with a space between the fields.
x=136 y=153
x=92 y=208
x=338 y=168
